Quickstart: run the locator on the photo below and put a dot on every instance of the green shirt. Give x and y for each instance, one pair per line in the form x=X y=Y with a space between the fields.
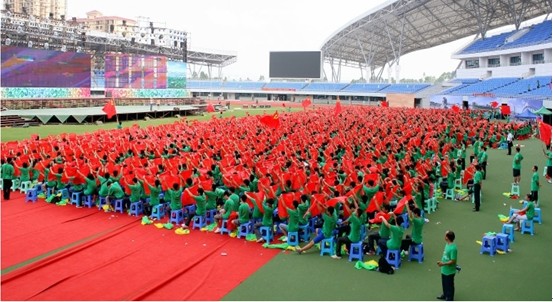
x=211 y=200
x=483 y=157
x=267 y=215
x=355 y=228
x=394 y=243
x=548 y=153
x=530 y=210
x=302 y=209
x=228 y=206
x=384 y=231
x=243 y=212
x=416 y=234
x=329 y=224
x=154 y=195
x=293 y=220
x=116 y=191
x=450 y=253
x=535 y=181
x=90 y=186
x=201 y=203
x=236 y=201
x=103 y=192
x=517 y=160
x=7 y=171
x=174 y=197
x=136 y=192
x=477 y=178
x=24 y=174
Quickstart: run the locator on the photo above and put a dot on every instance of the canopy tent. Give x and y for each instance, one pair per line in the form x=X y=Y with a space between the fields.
x=526 y=114
x=543 y=111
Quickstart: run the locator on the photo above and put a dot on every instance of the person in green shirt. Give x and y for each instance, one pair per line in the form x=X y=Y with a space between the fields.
x=243 y=212
x=303 y=208
x=535 y=184
x=225 y=212
x=116 y=191
x=526 y=213
x=7 y=177
x=448 y=267
x=329 y=224
x=155 y=191
x=293 y=219
x=201 y=202
x=483 y=161
x=104 y=185
x=396 y=232
x=136 y=192
x=268 y=209
x=354 y=221
x=23 y=171
x=548 y=163
x=417 y=222
x=517 y=159
x=380 y=235
x=477 y=187
x=90 y=184
x=175 y=197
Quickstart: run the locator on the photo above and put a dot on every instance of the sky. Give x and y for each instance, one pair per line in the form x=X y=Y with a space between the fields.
x=252 y=28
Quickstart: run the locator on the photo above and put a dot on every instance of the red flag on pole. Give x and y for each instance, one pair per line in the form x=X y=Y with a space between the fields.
x=505 y=109
x=383 y=104
x=545 y=132
x=305 y=103
x=210 y=108
x=494 y=104
x=338 y=107
x=109 y=109
x=456 y=109
x=271 y=121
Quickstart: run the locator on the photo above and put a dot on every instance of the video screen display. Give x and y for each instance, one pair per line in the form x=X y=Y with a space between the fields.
x=135 y=71
x=28 y=67
x=295 y=64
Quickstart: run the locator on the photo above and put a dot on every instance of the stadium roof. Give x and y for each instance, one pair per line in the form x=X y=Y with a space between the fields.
x=398 y=27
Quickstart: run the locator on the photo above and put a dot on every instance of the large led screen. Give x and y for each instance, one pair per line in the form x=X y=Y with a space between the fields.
x=295 y=64
x=135 y=71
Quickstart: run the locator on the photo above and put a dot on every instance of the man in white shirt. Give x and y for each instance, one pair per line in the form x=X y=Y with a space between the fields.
x=510 y=138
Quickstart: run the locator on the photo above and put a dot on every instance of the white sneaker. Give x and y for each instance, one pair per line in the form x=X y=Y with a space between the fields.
x=217 y=230
x=335 y=257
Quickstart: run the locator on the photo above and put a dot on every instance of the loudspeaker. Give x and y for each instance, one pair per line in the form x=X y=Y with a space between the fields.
x=146 y=118
x=111 y=28
x=99 y=122
x=152 y=42
x=132 y=41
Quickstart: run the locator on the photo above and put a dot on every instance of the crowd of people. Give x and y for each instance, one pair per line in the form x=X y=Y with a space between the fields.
x=357 y=167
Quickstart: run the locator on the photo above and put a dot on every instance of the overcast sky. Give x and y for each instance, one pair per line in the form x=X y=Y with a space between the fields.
x=253 y=28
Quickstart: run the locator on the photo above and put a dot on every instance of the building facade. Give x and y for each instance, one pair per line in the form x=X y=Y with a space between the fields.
x=45 y=9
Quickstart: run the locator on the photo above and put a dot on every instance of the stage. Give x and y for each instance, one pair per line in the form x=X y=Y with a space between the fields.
x=93 y=114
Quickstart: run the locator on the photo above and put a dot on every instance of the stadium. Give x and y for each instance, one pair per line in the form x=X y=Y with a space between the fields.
x=125 y=179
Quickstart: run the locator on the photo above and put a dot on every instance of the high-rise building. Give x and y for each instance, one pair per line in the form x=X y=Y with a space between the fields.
x=45 y=9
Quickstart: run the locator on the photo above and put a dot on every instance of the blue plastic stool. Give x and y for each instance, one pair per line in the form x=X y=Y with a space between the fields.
x=527 y=226
x=312 y=222
x=136 y=208
x=25 y=186
x=49 y=191
x=416 y=252
x=405 y=223
x=537 y=215
x=327 y=246
x=118 y=205
x=244 y=229
x=189 y=209
x=449 y=194
x=509 y=229
x=64 y=194
x=101 y=202
x=266 y=233
x=489 y=245
x=158 y=211
x=199 y=222
x=31 y=195
x=305 y=233
x=293 y=238
x=88 y=200
x=515 y=189
x=394 y=258
x=76 y=198
x=177 y=216
x=502 y=242
x=210 y=216
x=356 y=251
x=224 y=229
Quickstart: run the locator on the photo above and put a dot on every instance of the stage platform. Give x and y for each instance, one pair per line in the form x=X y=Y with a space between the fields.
x=93 y=114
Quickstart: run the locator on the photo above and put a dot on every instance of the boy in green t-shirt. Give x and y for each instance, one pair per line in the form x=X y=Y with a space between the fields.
x=329 y=224
x=267 y=221
x=526 y=213
x=517 y=159
x=243 y=212
x=535 y=184
x=448 y=267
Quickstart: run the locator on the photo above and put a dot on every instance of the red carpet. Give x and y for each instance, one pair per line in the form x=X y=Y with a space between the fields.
x=124 y=261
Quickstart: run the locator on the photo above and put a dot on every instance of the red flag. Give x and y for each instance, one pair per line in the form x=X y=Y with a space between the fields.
x=283 y=104
x=494 y=104
x=456 y=109
x=305 y=103
x=505 y=109
x=545 y=132
x=210 y=108
x=109 y=109
x=271 y=121
x=383 y=104
x=338 y=107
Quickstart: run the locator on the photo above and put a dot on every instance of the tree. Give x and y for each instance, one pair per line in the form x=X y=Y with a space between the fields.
x=203 y=76
x=261 y=78
x=194 y=75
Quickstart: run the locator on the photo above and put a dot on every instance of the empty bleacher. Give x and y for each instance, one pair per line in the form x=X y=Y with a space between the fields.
x=536 y=34
x=324 y=86
x=523 y=86
x=204 y=85
x=16 y=121
x=404 y=88
x=484 y=86
x=365 y=87
x=243 y=85
x=285 y=85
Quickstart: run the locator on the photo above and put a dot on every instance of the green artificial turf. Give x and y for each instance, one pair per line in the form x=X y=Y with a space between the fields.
x=524 y=274
x=18 y=133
